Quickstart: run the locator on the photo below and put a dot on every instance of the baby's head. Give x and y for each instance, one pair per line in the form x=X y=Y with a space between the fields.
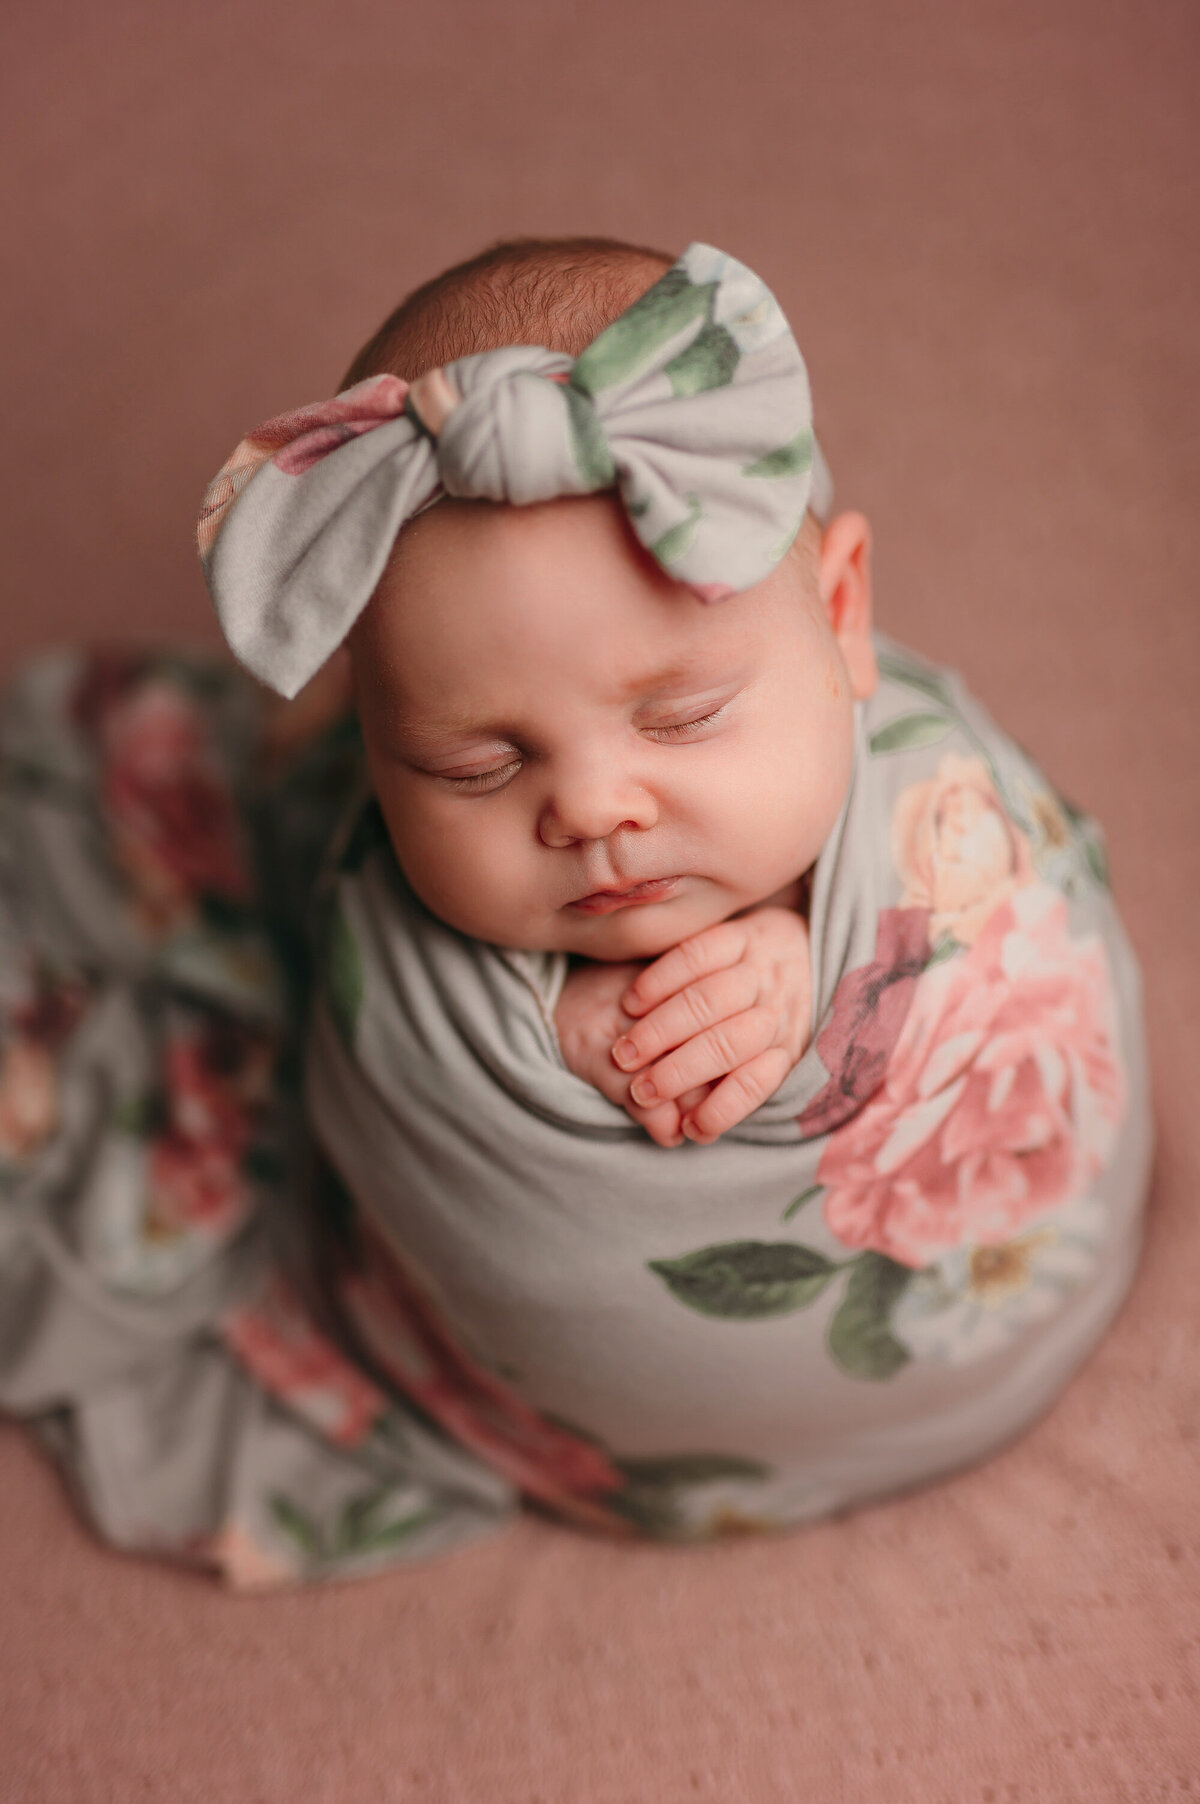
x=549 y=716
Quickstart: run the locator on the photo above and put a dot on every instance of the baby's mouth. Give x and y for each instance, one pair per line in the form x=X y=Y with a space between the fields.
x=604 y=901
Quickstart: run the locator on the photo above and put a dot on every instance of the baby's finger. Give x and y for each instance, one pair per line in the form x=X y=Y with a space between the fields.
x=743 y=1091
x=711 y=950
x=682 y=1017
x=662 y=1122
x=721 y=1049
x=691 y=1099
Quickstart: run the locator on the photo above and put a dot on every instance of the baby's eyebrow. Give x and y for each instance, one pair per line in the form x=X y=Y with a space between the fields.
x=680 y=675
x=674 y=675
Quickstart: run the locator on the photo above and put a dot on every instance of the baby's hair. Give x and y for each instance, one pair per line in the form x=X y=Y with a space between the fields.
x=556 y=292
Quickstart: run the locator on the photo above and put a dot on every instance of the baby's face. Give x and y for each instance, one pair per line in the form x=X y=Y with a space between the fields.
x=549 y=718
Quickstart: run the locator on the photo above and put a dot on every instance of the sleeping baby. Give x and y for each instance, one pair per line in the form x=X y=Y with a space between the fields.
x=724 y=1099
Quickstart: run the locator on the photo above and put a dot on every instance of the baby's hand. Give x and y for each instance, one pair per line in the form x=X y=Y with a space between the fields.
x=589 y=1017
x=732 y=1003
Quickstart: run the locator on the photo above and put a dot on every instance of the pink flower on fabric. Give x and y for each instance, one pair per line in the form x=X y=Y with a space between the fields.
x=313 y=432
x=217 y=1080
x=294 y=442
x=28 y=1098
x=166 y=801
x=194 y=1184
x=280 y=1346
x=1001 y=1099
x=404 y=1332
x=166 y=797
x=957 y=851
x=40 y=1026
x=869 y=1008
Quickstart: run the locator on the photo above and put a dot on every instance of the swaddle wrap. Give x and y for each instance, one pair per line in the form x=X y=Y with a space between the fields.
x=884 y=1272
x=887 y=1271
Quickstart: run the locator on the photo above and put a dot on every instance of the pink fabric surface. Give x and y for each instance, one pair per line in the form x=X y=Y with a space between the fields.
x=982 y=224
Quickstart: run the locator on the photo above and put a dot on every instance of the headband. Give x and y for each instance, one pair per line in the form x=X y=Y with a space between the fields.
x=693 y=404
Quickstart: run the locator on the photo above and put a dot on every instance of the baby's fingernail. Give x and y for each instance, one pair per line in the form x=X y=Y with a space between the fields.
x=643 y=1091
x=625 y=1052
x=631 y=1002
x=693 y=1132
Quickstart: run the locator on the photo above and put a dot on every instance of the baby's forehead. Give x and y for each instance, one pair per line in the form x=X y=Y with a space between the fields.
x=524 y=605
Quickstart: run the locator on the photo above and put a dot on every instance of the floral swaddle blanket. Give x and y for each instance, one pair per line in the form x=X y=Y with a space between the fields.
x=309 y=1265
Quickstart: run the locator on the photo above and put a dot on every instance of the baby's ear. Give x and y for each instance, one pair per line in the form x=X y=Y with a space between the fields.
x=844 y=584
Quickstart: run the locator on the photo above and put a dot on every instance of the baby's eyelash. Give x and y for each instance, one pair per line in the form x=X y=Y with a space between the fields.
x=489 y=779
x=685 y=727
x=484 y=779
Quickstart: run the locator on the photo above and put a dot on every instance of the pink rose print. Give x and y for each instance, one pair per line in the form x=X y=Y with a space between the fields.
x=295 y=441
x=1001 y=1098
x=217 y=1083
x=869 y=1008
x=40 y=1026
x=402 y=1329
x=170 y=815
x=28 y=1099
x=279 y=1346
x=957 y=851
x=313 y=432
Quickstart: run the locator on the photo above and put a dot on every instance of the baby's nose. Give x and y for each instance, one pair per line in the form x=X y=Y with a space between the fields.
x=593 y=807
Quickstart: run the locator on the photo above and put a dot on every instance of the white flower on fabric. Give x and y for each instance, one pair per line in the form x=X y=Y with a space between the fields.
x=974 y=1300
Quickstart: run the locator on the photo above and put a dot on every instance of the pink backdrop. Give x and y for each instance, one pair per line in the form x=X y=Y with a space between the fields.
x=982 y=221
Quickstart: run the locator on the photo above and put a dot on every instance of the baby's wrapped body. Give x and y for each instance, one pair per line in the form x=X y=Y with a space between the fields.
x=882 y=1274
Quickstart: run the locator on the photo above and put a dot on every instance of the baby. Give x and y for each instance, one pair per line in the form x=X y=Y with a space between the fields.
x=674 y=900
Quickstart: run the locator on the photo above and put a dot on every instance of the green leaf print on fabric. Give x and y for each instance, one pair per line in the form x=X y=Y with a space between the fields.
x=860 y=1336
x=676 y=539
x=691 y=1468
x=1090 y=837
x=806 y=1196
x=708 y=362
x=588 y=443
x=780 y=551
x=658 y=1491
x=632 y=341
x=790 y=459
x=946 y=947
x=140 y=1116
x=910 y=730
x=754 y=1280
x=342 y=972
x=747 y=1280
x=368 y=834
x=364 y=1525
x=299 y=1527
x=904 y=670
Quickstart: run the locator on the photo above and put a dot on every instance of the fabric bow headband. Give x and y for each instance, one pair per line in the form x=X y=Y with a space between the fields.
x=694 y=405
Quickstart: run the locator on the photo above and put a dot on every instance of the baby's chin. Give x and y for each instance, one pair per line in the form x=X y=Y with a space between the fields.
x=645 y=931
